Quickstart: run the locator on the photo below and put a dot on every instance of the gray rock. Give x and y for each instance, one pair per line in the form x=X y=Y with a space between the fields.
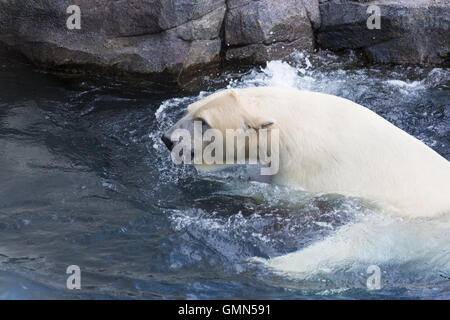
x=258 y=31
x=174 y=41
x=412 y=32
x=313 y=10
x=166 y=40
x=161 y=39
x=260 y=53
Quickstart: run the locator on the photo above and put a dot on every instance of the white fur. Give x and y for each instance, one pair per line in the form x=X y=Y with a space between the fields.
x=332 y=145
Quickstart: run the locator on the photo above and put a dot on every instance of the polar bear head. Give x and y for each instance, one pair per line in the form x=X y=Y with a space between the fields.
x=224 y=128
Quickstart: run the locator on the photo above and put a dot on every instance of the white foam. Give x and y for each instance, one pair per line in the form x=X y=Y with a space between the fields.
x=170 y=103
x=275 y=74
x=400 y=83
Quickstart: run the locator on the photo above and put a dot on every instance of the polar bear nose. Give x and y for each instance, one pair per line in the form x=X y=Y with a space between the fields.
x=167 y=142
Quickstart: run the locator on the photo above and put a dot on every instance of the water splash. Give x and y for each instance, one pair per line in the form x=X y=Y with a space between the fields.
x=285 y=230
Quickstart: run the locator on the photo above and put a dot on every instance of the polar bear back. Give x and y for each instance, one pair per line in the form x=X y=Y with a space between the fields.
x=333 y=145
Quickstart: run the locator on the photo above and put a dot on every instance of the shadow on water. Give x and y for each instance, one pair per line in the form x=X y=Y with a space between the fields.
x=86 y=181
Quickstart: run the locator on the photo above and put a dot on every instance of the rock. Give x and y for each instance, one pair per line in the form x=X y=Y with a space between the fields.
x=412 y=32
x=313 y=10
x=175 y=41
x=164 y=40
x=258 y=31
x=161 y=39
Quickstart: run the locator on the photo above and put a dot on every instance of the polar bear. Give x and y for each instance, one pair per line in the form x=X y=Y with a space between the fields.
x=329 y=144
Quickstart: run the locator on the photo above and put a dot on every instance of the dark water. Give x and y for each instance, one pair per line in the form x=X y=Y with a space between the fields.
x=85 y=181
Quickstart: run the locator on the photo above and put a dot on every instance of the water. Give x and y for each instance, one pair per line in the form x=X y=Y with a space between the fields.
x=86 y=181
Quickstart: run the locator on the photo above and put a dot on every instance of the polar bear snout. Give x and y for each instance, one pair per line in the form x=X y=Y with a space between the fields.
x=174 y=135
x=167 y=141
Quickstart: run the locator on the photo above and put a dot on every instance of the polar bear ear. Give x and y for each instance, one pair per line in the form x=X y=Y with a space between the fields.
x=263 y=123
x=266 y=124
x=260 y=124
